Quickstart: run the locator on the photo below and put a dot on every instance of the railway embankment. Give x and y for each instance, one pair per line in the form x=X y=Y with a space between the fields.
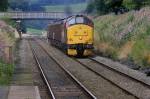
x=8 y=39
x=125 y=37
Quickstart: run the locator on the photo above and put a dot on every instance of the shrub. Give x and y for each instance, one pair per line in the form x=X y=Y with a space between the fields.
x=140 y=52
x=6 y=71
x=124 y=36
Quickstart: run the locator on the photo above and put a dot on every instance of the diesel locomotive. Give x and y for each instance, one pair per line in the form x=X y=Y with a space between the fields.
x=74 y=35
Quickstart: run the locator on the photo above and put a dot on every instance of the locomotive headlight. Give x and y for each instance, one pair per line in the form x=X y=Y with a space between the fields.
x=80 y=38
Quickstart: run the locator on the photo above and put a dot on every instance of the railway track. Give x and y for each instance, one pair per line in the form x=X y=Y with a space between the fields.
x=131 y=85
x=102 y=88
x=60 y=82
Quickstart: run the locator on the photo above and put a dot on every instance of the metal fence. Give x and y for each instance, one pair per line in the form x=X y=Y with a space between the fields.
x=6 y=54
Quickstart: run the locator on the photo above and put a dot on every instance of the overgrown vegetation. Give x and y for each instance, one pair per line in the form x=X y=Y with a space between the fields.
x=7 y=38
x=117 y=6
x=9 y=21
x=3 y=5
x=6 y=71
x=125 y=36
x=7 y=35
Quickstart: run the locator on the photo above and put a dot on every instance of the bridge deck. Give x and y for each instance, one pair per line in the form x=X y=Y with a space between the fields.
x=35 y=15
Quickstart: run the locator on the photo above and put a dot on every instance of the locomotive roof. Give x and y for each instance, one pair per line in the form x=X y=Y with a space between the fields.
x=62 y=21
x=65 y=19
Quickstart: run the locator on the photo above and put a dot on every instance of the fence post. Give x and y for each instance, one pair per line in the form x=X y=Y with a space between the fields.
x=8 y=54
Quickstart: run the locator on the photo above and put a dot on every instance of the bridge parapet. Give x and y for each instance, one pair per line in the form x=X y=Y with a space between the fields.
x=34 y=15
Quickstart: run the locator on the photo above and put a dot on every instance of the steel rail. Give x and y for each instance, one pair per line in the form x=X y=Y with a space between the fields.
x=106 y=66
x=43 y=74
x=69 y=73
x=104 y=78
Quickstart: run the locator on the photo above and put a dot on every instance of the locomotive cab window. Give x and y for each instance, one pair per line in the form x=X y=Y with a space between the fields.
x=79 y=20
x=72 y=21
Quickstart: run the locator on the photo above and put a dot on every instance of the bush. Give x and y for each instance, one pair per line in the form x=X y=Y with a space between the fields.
x=9 y=21
x=140 y=52
x=90 y=8
x=6 y=71
x=3 y=5
x=125 y=36
x=129 y=4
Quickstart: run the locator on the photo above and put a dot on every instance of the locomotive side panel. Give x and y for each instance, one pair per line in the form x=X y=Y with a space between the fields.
x=57 y=35
x=50 y=32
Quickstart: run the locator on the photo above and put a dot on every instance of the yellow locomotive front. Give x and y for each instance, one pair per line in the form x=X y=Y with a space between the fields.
x=79 y=31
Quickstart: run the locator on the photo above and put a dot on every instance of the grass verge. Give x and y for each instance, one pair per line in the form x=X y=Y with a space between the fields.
x=124 y=37
x=6 y=71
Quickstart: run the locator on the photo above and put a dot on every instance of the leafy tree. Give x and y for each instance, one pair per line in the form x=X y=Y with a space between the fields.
x=3 y=5
x=115 y=6
x=90 y=8
x=129 y=4
x=114 y=3
x=135 y=4
x=100 y=6
x=105 y=6
x=147 y=2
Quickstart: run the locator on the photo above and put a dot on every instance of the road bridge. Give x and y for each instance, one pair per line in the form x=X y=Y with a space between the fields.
x=34 y=15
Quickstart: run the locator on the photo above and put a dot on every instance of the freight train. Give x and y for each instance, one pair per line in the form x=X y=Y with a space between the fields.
x=74 y=35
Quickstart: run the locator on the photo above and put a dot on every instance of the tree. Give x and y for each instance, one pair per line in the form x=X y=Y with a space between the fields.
x=105 y=6
x=3 y=5
x=90 y=8
x=138 y=4
x=135 y=4
x=100 y=6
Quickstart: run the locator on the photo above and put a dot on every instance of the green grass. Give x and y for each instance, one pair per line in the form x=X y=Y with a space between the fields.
x=140 y=51
x=35 y=31
x=60 y=8
x=113 y=32
x=6 y=71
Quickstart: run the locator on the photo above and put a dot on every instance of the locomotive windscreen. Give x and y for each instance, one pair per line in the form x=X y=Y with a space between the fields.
x=78 y=20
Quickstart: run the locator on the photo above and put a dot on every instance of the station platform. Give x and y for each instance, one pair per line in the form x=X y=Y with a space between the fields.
x=23 y=92
x=4 y=92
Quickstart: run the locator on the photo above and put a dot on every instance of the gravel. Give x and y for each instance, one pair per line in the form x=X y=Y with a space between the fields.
x=100 y=87
x=125 y=82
